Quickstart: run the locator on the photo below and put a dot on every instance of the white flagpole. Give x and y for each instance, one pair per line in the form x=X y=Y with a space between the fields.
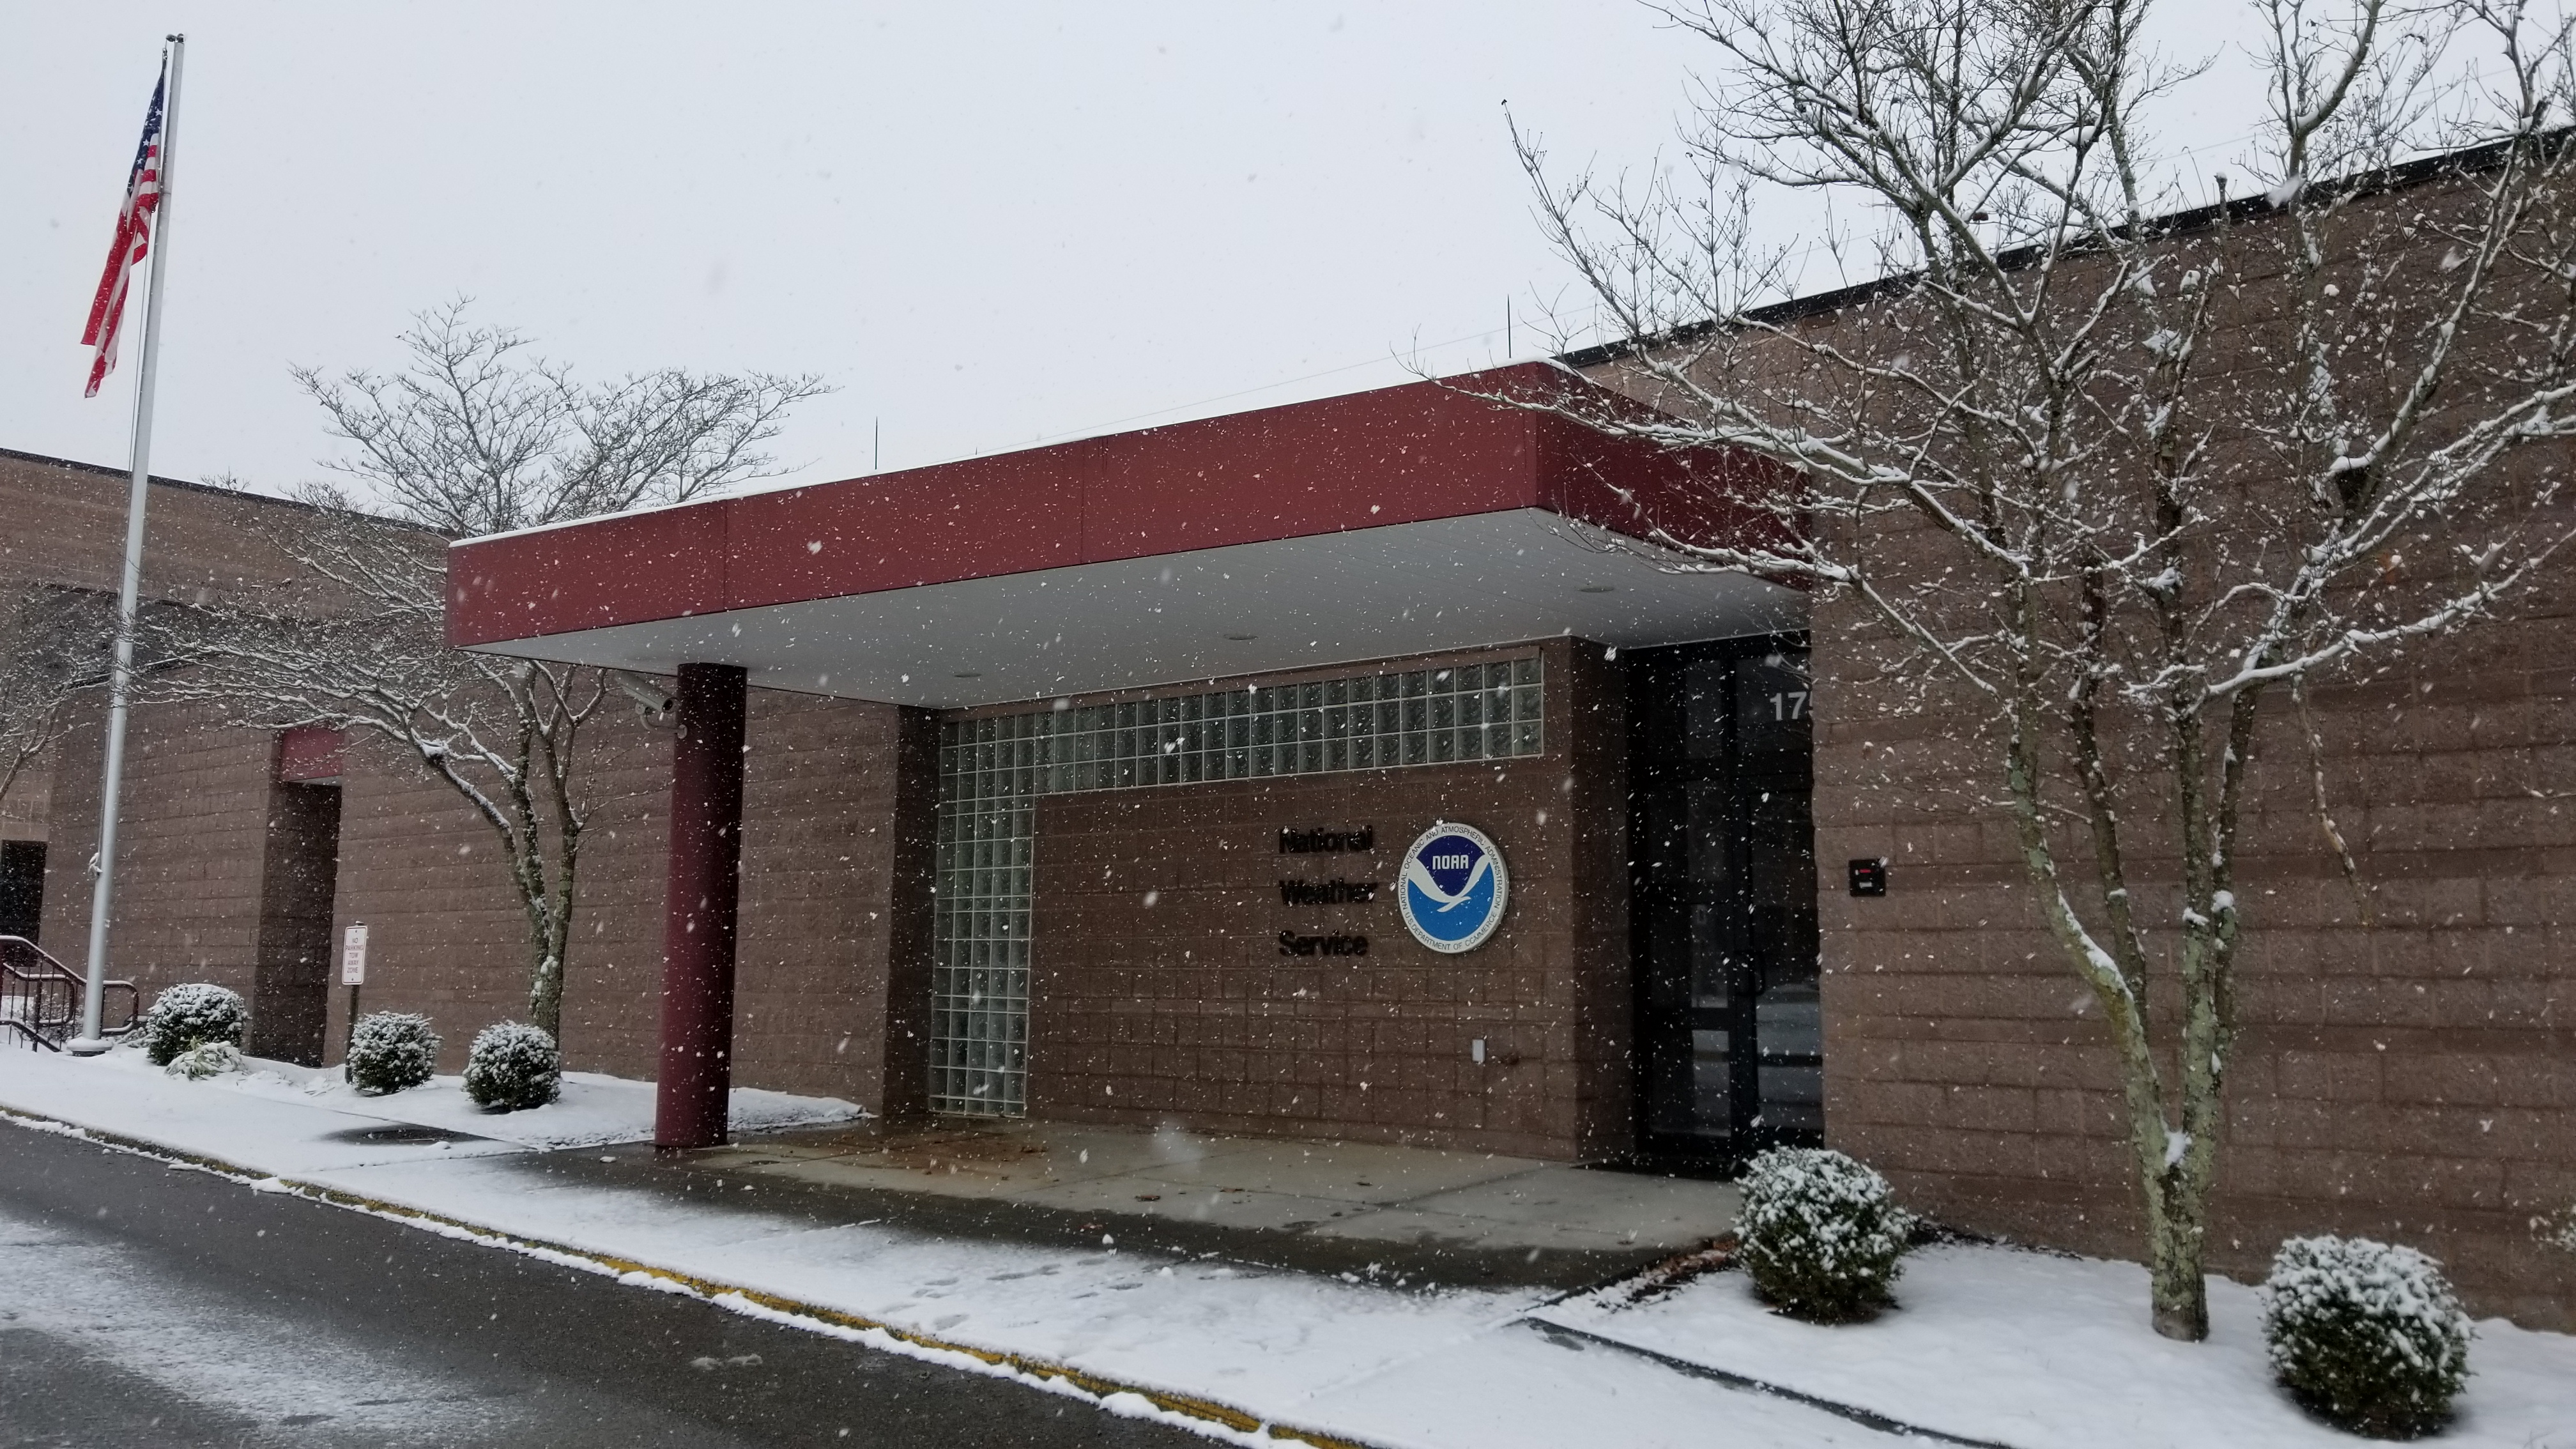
x=120 y=678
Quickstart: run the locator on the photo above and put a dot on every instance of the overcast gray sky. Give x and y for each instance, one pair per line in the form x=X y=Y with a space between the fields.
x=984 y=224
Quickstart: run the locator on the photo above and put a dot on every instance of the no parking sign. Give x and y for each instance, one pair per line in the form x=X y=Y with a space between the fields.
x=353 y=956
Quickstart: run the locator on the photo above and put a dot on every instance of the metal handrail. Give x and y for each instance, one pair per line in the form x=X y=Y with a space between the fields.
x=40 y=998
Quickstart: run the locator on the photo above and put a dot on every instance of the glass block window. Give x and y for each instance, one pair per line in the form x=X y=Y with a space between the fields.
x=979 y=990
x=993 y=769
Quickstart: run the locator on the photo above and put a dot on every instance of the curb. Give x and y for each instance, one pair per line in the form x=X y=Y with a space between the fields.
x=776 y=1307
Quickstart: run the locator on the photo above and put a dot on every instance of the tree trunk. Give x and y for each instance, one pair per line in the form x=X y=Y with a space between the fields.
x=2175 y=1238
x=545 y=997
x=554 y=947
x=545 y=985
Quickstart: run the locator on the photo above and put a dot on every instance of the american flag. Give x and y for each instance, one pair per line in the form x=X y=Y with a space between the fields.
x=133 y=243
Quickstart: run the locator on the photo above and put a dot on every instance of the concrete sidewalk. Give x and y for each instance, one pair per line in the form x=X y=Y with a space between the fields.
x=1417 y=1214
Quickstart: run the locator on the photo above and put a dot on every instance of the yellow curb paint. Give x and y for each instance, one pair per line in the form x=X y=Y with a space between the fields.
x=1189 y=1406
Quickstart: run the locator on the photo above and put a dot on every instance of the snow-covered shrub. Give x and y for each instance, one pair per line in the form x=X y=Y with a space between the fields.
x=391 y=1050
x=188 y=1014
x=1820 y=1234
x=512 y=1066
x=2557 y=1230
x=206 y=1059
x=2367 y=1335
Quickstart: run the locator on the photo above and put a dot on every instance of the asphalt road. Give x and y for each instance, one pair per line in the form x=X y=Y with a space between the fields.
x=145 y=1305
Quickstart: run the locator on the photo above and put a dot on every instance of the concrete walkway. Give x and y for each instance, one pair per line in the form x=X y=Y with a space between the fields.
x=1432 y=1211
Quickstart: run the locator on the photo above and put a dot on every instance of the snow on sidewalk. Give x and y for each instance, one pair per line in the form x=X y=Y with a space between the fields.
x=2022 y=1349
x=123 y=1094
x=1401 y=1369
x=594 y=1110
x=2029 y=1348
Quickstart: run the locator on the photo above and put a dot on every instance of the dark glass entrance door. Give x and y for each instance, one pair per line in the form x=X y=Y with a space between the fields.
x=1723 y=899
x=22 y=887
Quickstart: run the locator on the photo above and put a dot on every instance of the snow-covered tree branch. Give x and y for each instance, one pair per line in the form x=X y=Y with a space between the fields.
x=52 y=642
x=2107 y=475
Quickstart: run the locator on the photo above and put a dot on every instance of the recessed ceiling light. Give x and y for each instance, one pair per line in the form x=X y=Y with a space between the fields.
x=1596 y=589
x=1241 y=638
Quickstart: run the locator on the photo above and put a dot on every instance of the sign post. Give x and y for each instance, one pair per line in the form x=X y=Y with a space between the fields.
x=353 y=972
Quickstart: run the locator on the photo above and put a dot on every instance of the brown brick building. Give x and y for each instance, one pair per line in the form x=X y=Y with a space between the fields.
x=1087 y=783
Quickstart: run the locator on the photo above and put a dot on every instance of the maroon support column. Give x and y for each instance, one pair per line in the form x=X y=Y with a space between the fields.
x=689 y=1098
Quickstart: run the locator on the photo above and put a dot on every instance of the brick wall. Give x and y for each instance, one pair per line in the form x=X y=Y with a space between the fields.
x=66 y=525
x=445 y=933
x=1159 y=991
x=826 y=901
x=26 y=806
x=2411 y=1076
x=834 y=968
x=63 y=524
x=193 y=836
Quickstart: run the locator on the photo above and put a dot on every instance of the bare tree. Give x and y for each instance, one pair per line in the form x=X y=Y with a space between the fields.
x=2107 y=484
x=474 y=436
x=53 y=641
x=477 y=436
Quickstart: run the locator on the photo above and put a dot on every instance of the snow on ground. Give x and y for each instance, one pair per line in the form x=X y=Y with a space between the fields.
x=1284 y=1345
x=594 y=1110
x=123 y=1094
x=1394 y=1368
x=2019 y=1348
x=2036 y=1348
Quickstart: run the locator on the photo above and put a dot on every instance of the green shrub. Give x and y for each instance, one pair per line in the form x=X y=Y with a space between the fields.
x=513 y=1066
x=2368 y=1336
x=192 y=1014
x=391 y=1050
x=1820 y=1234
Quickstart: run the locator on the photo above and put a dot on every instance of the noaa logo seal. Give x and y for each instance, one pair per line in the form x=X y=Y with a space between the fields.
x=1454 y=888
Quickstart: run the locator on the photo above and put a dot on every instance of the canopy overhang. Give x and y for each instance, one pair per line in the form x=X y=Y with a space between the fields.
x=1412 y=520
